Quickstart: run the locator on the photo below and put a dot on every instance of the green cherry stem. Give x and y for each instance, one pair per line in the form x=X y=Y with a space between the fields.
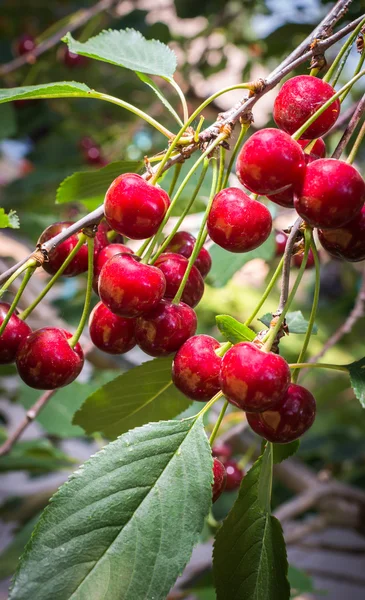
x=222 y=156
x=208 y=405
x=359 y=65
x=30 y=263
x=28 y=274
x=181 y=95
x=177 y=171
x=345 y=48
x=318 y=366
x=267 y=292
x=218 y=423
x=89 y=288
x=356 y=145
x=244 y=128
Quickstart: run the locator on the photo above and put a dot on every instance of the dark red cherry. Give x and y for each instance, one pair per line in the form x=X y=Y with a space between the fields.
x=46 y=361
x=318 y=150
x=58 y=256
x=14 y=333
x=93 y=156
x=219 y=479
x=183 y=243
x=110 y=333
x=222 y=451
x=298 y=259
x=173 y=266
x=128 y=287
x=299 y=98
x=196 y=367
x=293 y=416
x=26 y=43
x=165 y=328
x=332 y=194
x=252 y=379
x=72 y=60
x=269 y=161
x=236 y=222
x=347 y=242
x=134 y=207
x=87 y=142
x=234 y=475
x=103 y=256
x=280 y=243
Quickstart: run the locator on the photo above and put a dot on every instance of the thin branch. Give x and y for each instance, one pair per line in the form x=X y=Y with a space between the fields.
x=288 y=253
x=360 y=109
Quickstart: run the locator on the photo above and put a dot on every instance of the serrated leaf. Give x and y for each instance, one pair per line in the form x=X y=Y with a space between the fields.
x=127 y=48
x=294 y=320
x=357 y=378
x=226 y=264
x=9 y=220
x=249 y=557
x=58 y=89
x=89 y=187
x=283 y=451
x=233 y=330
x=35 y=456
x=124 y=525
x=145 y=393
x=148 y=81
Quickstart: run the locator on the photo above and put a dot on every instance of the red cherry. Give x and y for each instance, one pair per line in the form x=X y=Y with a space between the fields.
x=195 y=370
x=292 y=417
x=163 y=330
x=183 y=243
x=298 y=259
x=236 y=222
x=134 y=207
x=26 y=43
x=252 y=379
x=219 y=479
x=222 y=451
x=318 y=150
x=347 y=242
x=93 y=156
x=234 y=475
x=173 y=266
x=14 y=333
x=128 y=287
x=270 y=161
x=280 y=243
x=332 y=194
x=299 y=98
x=58 y=256
x=87 y=142
x=110 y=333
x=46 y=361
x=103 y=256
x=72 y=60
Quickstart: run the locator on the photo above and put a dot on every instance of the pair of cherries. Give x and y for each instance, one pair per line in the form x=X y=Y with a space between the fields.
x=227 y=475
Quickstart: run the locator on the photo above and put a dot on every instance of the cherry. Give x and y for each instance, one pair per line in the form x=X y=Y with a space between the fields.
x=94 y=156
x=253 y=380
x=134 y=207
x=173 y=266
x=26 y=43
x=280 y=243
x=195 y=370
x=183 y=243
x=332 y=194
x=128 y=287
x=103 y=256
x=46 y=361
x=14 y=333
x=219 y=479
x=222 y=451
x=58 y=256
x=298 y=259
x=269 y=161
x=236 y=222
x=110 y=333
x=165 y=328
x=72 y=60
x=234 y=475
x=87 y=142
x=346 y=242
x=289 y=420
x=299 y=98
x=318 y=150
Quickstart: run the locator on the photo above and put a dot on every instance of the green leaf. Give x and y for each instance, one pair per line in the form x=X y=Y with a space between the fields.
x=300 y=582
x=249 y=557
x=283 y=451
x=148 y=81
x=225 y=264
x=59 y=89
x=9 y=557
x=89 y=187
x=357 y=378
x=7 y=121
x=10 y=220
x=124 y=525
x=145 y=393
x=294 y=320
x=233 y=330
x=35 y=456
x=127 y=48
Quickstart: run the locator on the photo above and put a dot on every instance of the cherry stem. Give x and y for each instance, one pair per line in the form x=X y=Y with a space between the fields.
x=209 y=405
x=29 y=263
x=356 y=145
x=357 y=70
x=53 y=280
x=222 y=156
x=318 y=366
x=223 y=349
x=360 y=109
x=267 y=292
x=177 y=170
x=288 y=253
x=251 y=450
x=218 y=423
x=89 y=288
x=176 y=86
x=345 y=48
x=244 y=128
x=314 y=305
x=28 y=274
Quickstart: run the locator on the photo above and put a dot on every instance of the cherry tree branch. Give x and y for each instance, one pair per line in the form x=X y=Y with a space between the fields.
x=288 y=253
x=359 y=111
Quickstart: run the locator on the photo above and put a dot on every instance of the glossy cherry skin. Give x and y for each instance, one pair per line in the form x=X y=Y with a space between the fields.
x=298 y=99
x=46 y=361
x=110 y=333
x=332 y=194
x=280 y=243
x=14 y=333
x=347 y=242
x=164 y=330
x=270 y=161
x=298 y=259
x=196 y=367
x=222 y=451
x=291 y=418
x=253 y=380
x=219 y=479
x=103 y=256
x=173 y=266
x=26 y=43
x=58 y=256
x=234 y=475
x=128 y=287
x=134 y=207
x=236 y=222
x=183 y=243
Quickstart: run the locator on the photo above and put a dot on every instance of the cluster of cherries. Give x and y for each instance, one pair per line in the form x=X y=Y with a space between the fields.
x=26 y=43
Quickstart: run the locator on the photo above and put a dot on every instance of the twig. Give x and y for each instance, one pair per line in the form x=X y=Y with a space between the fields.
x=288 y=253
x=341 y=121
x=360 y=109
